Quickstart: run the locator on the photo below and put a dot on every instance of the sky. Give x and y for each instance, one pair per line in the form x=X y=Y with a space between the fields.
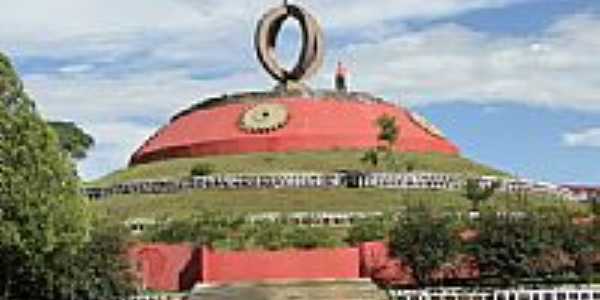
x=514 y=83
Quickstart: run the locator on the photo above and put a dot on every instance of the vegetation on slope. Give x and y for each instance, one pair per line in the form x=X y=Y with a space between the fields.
x=295 y=162
x=532 y=247
x=301 y=200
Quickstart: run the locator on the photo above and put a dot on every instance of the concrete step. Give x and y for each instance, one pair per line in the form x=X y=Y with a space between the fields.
x=305 y=290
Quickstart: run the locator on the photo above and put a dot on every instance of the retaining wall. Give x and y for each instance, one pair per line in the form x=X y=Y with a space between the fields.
x=252 y=266
x=179 y=267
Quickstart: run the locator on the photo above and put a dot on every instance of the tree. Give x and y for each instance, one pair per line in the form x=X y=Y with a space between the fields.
x=46 y=246
x=72 y=139
x=506 y=248
x=388 y=131
x=43 y=216
x=424 y=241
x=387 y=135
x=477 y=194
x=101 y=270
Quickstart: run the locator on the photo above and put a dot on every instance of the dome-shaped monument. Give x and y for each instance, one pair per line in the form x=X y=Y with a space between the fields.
x=292 y=117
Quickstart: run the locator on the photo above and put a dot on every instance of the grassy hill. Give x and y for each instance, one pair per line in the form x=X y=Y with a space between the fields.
x=301 y=200
x=292 y=200
x=302 y=161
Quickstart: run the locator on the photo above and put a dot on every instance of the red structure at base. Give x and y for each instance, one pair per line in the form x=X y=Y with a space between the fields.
x=312 y=124
x=251 y=266
x=176 y=268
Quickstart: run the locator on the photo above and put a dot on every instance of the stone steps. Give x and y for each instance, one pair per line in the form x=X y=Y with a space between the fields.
x=333 y=290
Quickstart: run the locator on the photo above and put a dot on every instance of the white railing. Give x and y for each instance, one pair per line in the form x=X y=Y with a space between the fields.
x=405 y=181
x=574 y=293
x=158 y=297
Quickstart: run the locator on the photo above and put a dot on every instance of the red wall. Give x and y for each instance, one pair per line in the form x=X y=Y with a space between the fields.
x=179 y=267
x=165 y=267
x=314 y=125
x=226 y=267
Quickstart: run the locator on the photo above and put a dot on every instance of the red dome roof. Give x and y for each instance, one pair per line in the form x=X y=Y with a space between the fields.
x=311 y=125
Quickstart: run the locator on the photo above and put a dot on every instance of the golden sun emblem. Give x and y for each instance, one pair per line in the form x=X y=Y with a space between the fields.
x=264 y=118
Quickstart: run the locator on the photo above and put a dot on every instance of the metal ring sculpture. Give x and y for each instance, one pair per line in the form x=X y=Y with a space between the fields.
x=311 y=56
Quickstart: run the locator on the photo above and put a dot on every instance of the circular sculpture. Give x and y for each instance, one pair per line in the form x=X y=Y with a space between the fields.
x=311 y=55
x=264 y=118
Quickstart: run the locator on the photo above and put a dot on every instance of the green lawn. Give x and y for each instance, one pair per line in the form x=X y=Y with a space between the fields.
x=296 y=200
x=282 y=162
x=293 y=200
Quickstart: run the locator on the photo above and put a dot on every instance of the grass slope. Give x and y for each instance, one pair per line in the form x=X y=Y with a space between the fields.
x=282 y=162
x=300 y=200
x=293 y=200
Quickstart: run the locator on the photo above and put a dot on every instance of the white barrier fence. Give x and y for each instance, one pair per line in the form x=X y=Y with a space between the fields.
x=405 y=181
x=500 y=294
x=158 y=297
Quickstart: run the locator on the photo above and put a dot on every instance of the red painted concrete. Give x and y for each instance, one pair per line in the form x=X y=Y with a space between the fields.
x=314 y=125
x=178 y=267
x=253 y=266
x=165 y=267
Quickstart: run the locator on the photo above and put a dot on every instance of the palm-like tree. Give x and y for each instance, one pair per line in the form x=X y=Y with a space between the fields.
x=477 y=194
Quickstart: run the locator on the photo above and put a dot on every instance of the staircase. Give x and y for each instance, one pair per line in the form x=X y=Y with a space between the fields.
x=321 y=290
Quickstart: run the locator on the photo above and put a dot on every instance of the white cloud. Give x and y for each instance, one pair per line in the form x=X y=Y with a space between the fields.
x=122 y=112
x=558 y=68
x=589 y=137
x=80 y=68
x=60 y=27
x=128 y=64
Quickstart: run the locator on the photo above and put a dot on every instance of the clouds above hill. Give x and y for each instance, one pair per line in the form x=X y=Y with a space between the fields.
x=558 y=68
x=121 y=68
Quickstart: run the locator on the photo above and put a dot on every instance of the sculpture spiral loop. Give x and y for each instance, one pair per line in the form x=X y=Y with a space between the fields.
x=311 y=55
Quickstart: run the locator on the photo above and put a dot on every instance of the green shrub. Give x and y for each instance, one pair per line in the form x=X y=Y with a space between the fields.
x=203 y=229
x=202 y=169
x=310 y=238
x=368 y=230
x=270 y=236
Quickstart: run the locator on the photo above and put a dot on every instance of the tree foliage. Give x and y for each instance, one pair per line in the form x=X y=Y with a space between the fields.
x=369 y=229
x=387 y=135
x=505 y=247
x=388 y=130
x=46 y=245
x=424 y=241
x=371 y=157
x=477 y=194
x=42 y=215
x=522 y=248
x=72 y=139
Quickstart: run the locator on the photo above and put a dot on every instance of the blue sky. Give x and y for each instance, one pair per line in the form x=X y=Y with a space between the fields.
x=515 y=83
